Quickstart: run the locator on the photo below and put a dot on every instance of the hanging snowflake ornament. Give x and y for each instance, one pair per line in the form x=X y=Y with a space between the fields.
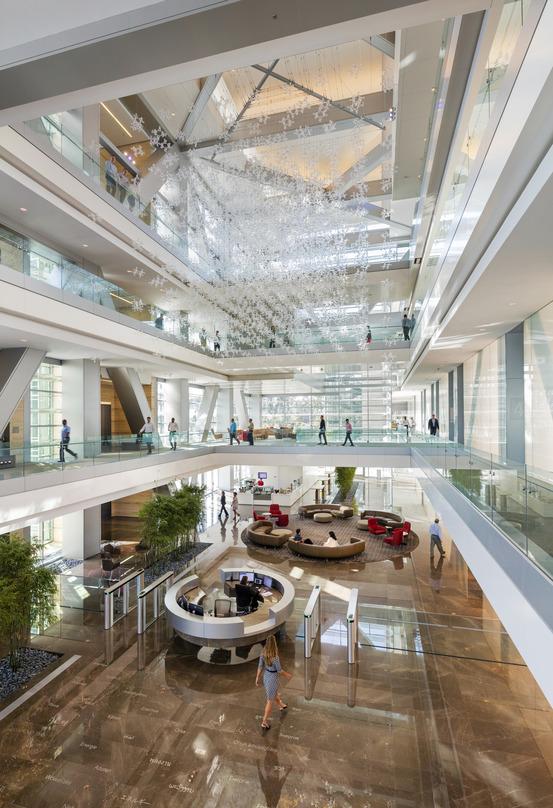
x=137 y=123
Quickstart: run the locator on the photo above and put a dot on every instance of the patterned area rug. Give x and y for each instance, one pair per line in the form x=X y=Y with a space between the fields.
x=345 y=529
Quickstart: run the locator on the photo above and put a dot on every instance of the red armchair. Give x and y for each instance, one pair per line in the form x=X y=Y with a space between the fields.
x=396 y=538
x=257 y=516
x=282 y=520
x=274 y=509
x=406 y=528
x=375 y=528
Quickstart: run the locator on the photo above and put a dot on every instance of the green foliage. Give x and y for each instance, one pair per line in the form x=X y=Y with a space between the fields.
x=27 y=594
x=170 y=522
x=467 y=480
x=344 y=479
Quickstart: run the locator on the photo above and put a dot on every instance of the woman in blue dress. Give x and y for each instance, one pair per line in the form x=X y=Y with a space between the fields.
x=269 y=663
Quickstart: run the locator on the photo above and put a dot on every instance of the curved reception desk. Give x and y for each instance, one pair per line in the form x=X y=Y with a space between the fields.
x=200 y=622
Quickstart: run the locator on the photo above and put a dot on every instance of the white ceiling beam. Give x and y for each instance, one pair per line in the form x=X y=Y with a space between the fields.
x=382 y=44
x=182 y=48
x=360 y=169
x=202 y=99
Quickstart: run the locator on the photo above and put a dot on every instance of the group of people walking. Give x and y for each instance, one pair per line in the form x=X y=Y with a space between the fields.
x=234 y=506
x=322 y=432
x=216 y=340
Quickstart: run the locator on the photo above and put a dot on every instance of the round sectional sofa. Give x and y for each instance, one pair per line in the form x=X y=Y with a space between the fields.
x=340 y=511
x=265 y=534
x=388 y=518
x=354 y=547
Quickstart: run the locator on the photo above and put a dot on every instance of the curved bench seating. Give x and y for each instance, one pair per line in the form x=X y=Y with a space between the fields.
x=355 y=547
x=265 y=534
x=341 y=511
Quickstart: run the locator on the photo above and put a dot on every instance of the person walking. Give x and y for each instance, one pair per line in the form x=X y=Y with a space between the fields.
x=349 y=430
x=233 y=432
x=272 y=341
x=148 y=432
x=111 y=174
x=65 y=437
x=203 y=338
x=433 y=425
x=217 y=343
x=436 y=538
x=235 y=510
x=223 y=502
x=412 y=323
x=322 y=431
x=250 y=431
x=269 y=665
x=369 y=337
x=406 y=425
x=406 y=326
x=173 y=434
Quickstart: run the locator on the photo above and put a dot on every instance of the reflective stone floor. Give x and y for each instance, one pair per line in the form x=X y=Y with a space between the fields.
x=439 y=712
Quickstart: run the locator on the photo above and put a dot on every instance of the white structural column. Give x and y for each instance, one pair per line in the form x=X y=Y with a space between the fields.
x=207 y=409
x=17 y=368
x=130 y=392
x=178 y=404
x=81 y=403
x=225 y=410
x=242 y=409
x=81 y=532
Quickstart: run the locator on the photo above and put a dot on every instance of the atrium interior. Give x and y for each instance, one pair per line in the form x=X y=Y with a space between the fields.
x=276 y=363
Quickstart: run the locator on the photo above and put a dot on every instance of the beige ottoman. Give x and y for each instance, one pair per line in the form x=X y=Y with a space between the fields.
x=322 y=517
x=363 y=524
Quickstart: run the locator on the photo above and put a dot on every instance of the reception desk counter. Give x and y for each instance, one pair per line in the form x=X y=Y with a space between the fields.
x=234 y=630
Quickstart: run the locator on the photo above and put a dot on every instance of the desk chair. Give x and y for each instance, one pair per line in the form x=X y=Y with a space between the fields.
x=222 y=607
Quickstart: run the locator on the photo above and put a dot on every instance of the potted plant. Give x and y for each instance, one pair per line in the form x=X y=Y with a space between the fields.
x=27 y=594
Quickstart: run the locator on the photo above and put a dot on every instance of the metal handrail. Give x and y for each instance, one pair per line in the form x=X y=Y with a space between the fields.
x=353 y=626
x=311 y=620
x=142 y=625
x=123 y=583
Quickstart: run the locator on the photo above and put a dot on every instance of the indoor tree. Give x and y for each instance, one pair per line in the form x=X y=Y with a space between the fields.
x=170 y=522
x=27 y=594
x=344 y=479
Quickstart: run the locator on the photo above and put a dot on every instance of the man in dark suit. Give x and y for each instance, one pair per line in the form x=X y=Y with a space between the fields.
x=433 y=425
x=247 y=596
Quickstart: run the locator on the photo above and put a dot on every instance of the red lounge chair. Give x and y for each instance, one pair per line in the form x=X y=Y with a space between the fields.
x=375 y=528
x=396 y=538
x=274 y=509
x=282 y=520
x=257 y=516
x=406 y=529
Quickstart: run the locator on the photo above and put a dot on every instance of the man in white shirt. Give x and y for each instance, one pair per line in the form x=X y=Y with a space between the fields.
x=148 y=432
x=436 y=538
x=173 y=434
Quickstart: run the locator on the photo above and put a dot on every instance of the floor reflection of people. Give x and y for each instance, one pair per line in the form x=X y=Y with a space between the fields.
x=436 y=573
x=272 y=777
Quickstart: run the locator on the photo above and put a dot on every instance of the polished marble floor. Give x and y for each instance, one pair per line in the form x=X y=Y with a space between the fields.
x=440 y=711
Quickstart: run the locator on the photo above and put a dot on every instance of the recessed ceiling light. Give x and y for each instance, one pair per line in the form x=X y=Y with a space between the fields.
x=23 y=210
x=84 y=245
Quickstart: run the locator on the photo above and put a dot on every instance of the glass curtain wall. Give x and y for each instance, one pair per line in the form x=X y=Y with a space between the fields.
x=538 y=390
x=485 y=400
x=367 y=402
x=45 y=411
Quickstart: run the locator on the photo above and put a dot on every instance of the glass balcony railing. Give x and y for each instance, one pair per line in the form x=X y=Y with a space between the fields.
x=35 y=458
x=492 y=91
x=516 y=498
